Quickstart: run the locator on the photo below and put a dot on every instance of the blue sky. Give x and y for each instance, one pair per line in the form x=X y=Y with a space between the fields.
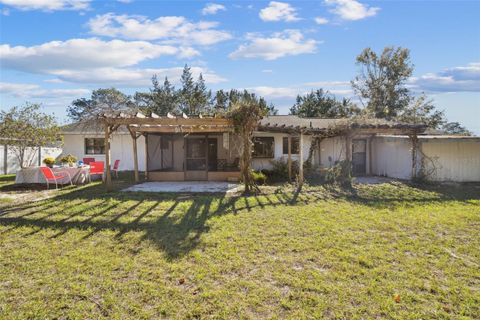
x=54 y=51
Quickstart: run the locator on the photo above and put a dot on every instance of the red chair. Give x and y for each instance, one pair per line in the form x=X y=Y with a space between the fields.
x=86 y=161
x=96 y=168
x=50 y=176
x=116 y=165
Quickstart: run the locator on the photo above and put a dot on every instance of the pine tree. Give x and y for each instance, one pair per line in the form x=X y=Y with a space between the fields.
x=187 y=93
x=221 y=102
x=202 y=97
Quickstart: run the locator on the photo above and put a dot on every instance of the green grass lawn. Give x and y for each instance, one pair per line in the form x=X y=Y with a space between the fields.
x=378 y=251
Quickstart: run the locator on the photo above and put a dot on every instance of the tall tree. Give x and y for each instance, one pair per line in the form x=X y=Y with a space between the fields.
x=187 y=92
x=202 y=97
x=26 y=128
x=220 y=102
x=227 y=100
x=455 y=128
x=320 y=103
x=421 y=110
x=101 y=101
x=161 y=99
x=380 y=83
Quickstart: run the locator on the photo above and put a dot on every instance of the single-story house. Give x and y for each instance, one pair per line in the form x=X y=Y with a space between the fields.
x=182 y=148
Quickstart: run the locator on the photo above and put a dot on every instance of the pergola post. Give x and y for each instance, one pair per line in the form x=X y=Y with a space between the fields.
x=370 y=155
x=135 y=154
x=146 y=156
x=300 y=161
x=108 y=174
x=348 y=147
x=414 y=140
x=289 y=158
x=5 y=159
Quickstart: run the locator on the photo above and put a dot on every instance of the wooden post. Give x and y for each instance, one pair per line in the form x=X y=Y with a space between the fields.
x=146 y=156
x=348 y=152
x=300 y=161
x=39 y=156
x=206 y=155
x=319 y=141
x=348 y=147
x=135 y=154
x=414 y=140
x=289 y=158
x=108 y=175
x=370 y=152
x=5 y=159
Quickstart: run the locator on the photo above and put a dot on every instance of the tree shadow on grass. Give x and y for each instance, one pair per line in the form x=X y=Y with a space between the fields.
x=176 y=222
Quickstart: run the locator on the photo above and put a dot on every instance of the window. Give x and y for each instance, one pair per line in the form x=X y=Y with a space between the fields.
x=94 y=146
x=263 y=147
x=295 y=145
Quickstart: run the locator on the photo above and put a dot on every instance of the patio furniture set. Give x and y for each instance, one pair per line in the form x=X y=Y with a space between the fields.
x=81 y=173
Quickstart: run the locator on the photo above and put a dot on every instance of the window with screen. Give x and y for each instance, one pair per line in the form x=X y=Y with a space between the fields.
x=263 y=147
x=94 y=146
x=295 y=145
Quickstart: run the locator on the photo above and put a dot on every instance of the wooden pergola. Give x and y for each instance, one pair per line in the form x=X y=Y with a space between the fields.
x=349 y=129
x=138 y=124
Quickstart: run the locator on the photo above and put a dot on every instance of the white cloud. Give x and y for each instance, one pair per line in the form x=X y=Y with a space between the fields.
x=281 y=44
x=75 y=54
x=133 y=77
x=351 y=9
x=340 y=88
x=171 y=29
x=213 y=8
x=457 y=79
x=5 y=12
x=125 y=1
x=275 y=92
x=279 y=11
x=329 y=84
x=26 y=91
x=48 y=5
x=267 y=71
x=320 y=20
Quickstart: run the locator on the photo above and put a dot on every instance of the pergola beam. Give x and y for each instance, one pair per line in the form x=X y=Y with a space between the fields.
x=169 y=121
x=183 y=129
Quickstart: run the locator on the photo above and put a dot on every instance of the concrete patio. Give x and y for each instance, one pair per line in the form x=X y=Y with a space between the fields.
x=185 y=186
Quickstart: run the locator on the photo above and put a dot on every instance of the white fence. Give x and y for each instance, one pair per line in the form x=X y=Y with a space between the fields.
x=9 y=162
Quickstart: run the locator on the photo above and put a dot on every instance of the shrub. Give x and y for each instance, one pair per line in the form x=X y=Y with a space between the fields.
x=340 y=173
x=259 y=177
x=279 y=171
x=49 y=161
x=68 y=159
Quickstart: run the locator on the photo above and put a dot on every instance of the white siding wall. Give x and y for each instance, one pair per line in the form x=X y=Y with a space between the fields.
x=332 y=150
x=391 y=157
x=454 y=159
x=121 y=149
x=259 y=163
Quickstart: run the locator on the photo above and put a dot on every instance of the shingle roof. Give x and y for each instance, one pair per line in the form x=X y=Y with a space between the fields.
x=91 y=126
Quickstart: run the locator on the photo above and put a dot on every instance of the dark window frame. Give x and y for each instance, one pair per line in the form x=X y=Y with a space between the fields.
x=264 y=155
x=96 y=144
x=295 y=145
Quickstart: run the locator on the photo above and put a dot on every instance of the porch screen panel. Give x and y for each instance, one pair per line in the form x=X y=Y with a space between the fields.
x=161 y=152
x=196 y=154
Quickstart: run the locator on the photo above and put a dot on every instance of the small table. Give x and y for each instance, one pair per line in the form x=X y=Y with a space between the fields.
x=34 y=175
